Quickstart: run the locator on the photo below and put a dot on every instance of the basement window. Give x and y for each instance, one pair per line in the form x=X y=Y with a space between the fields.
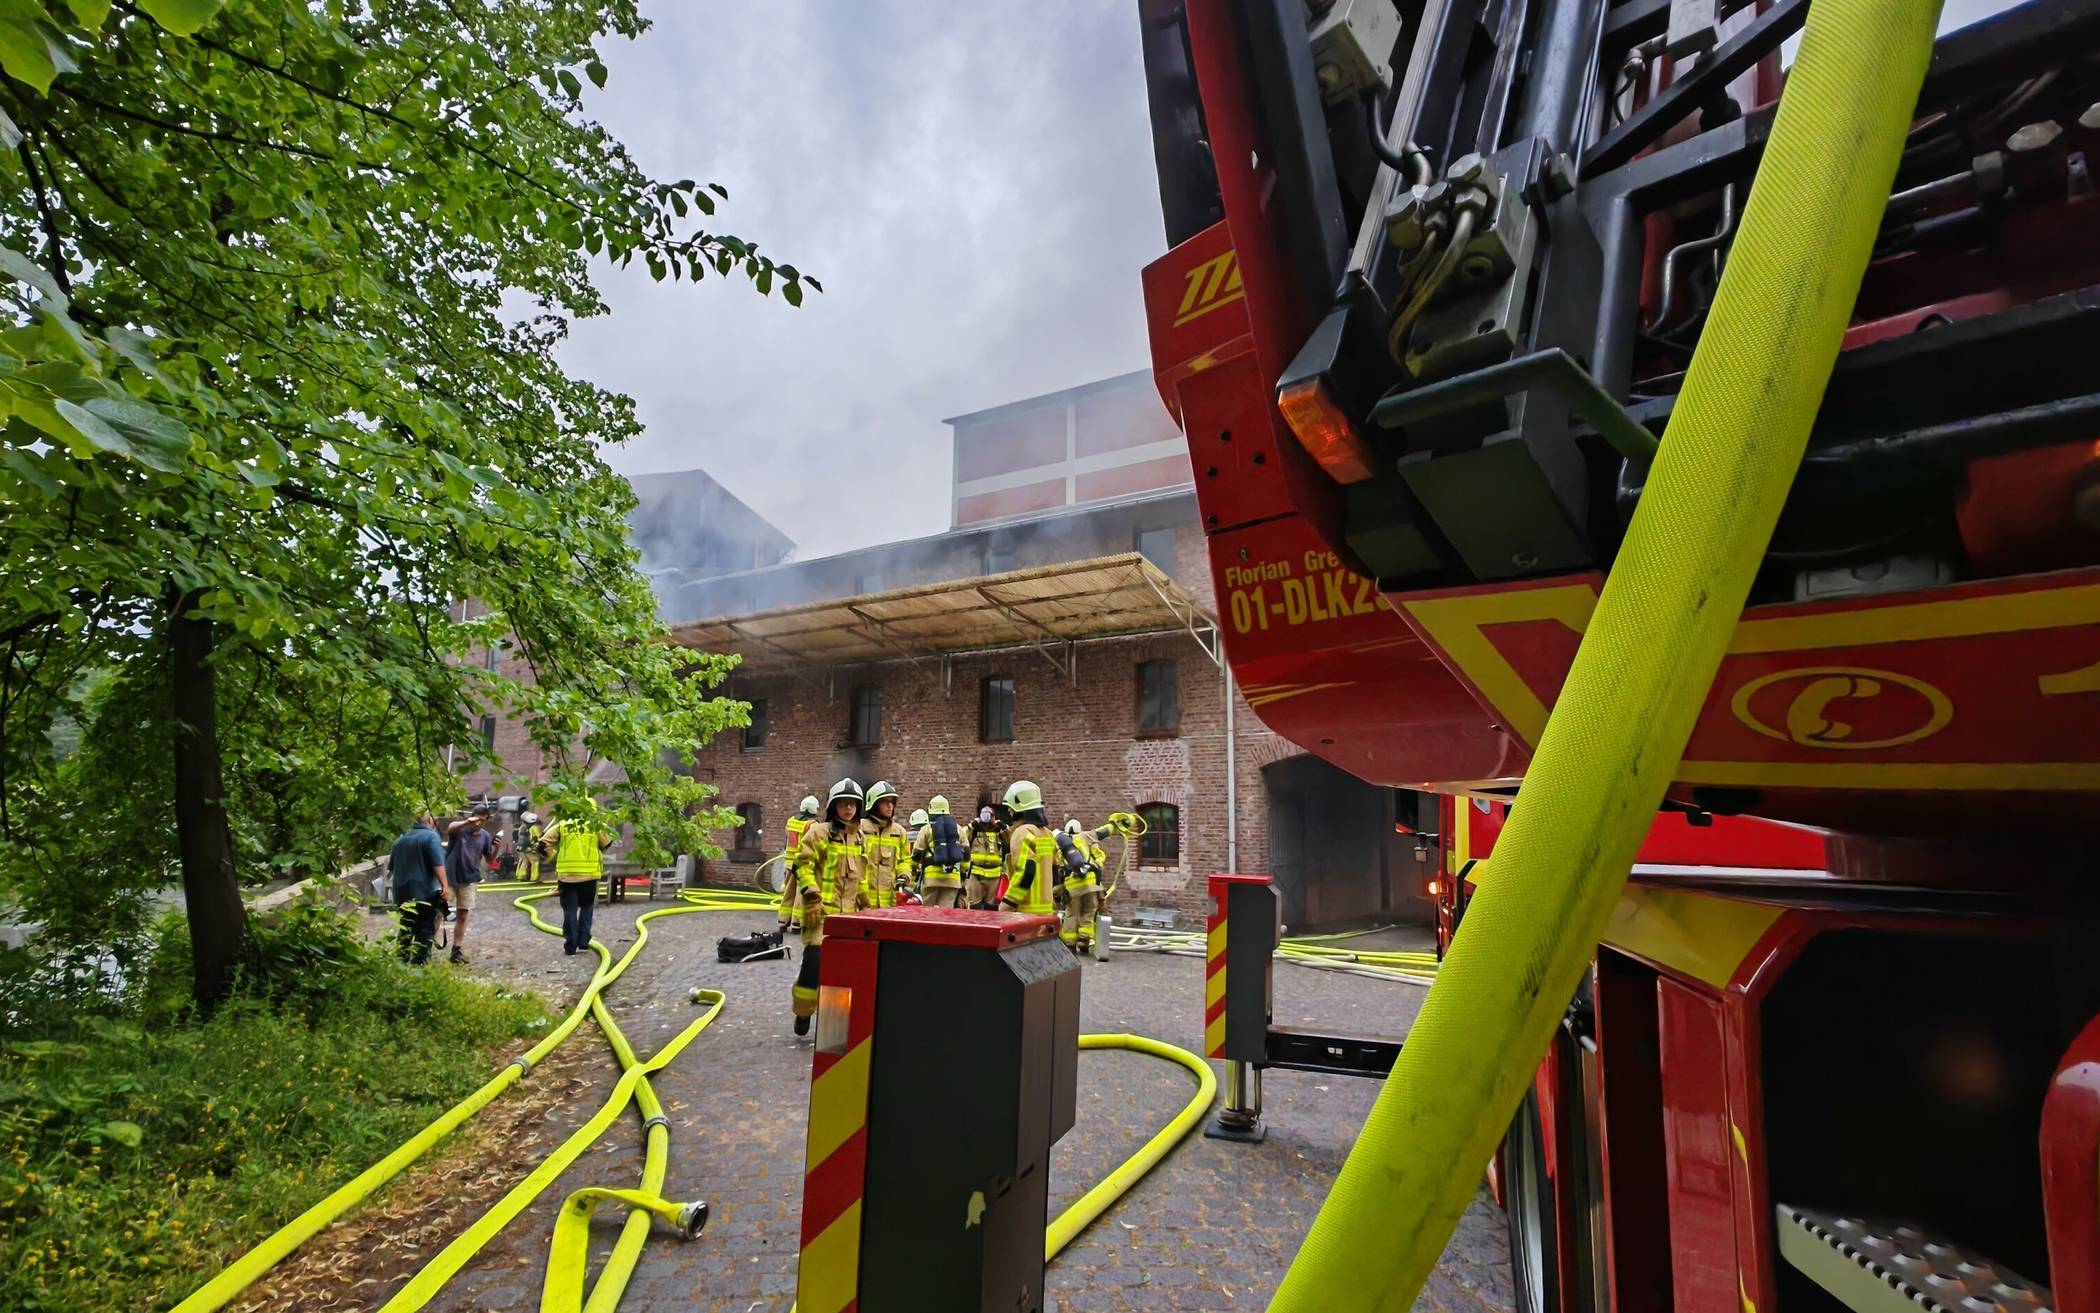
x=1160 y=844
x=995 y=718
x=864 y=724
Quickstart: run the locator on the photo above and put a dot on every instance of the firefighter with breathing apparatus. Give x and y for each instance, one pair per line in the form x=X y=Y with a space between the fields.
x=1084 y=861
x=826 y=873
x=887 y=847
x=790 y=896
x=941 y=856
x=1031 y=852
x=528 y=847
x=987 y=860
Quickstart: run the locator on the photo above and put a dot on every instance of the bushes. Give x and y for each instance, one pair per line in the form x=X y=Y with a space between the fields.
x=143 y=1152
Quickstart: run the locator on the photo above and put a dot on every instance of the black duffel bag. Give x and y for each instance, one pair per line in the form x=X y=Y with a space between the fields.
x=758 y=946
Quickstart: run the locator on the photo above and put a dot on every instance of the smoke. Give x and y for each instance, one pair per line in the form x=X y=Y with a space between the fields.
x=1105 y=529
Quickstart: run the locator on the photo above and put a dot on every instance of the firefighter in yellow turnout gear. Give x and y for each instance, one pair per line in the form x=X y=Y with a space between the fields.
x=826 y=873
x=790 y=894
x=887 y=846
x=937 y=846
x=1031 y=853
x=1084 y=861
x=987 y=860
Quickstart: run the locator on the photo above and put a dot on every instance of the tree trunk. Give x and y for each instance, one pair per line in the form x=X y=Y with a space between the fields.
x=218 y=920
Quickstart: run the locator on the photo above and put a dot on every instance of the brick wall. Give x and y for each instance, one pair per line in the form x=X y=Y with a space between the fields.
x=1077 y=739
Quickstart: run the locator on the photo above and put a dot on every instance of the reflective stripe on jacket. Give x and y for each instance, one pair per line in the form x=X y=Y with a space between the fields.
x=888 y=854
x=828 y=856
x=985 y=857
x=1034 y=866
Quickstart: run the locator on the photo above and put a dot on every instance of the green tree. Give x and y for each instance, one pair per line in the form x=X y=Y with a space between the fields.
x=270 y=410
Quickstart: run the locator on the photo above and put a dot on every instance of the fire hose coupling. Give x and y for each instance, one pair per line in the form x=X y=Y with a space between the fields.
x=658 y=1120
x=523 y=1062
x=692 y=1219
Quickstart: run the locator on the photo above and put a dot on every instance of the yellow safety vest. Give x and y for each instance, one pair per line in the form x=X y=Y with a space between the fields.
x=576 y=850
x=796 y=825
x=826 y=850
x=888 y=850
x=1034 y=866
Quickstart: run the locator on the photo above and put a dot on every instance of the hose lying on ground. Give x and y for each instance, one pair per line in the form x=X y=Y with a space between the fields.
x=1644 y=666
x=563 y=1291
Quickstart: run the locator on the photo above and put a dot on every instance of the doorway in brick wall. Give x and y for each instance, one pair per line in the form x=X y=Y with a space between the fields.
x=1334 y=851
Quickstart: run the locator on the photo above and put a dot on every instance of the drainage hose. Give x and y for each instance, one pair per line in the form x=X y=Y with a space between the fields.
x=1645 y=664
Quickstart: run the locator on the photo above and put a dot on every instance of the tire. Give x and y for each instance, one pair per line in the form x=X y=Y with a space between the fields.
x=1527 y=1199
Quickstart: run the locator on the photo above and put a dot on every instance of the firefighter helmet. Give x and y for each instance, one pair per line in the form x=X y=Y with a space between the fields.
x=919 y=818
x=809 y=805
x=937 y=805
x=1072 y=826
x=842 y=791
x=878 y=791
x=1023 y=796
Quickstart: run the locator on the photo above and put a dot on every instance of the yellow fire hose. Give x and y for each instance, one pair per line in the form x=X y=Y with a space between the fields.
x=568 y=1257
x=1645 y=664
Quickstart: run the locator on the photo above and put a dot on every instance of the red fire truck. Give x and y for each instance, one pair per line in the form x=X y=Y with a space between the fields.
x=1436 y=271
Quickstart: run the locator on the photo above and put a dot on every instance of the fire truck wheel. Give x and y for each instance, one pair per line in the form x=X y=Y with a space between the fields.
x=1527 y=1198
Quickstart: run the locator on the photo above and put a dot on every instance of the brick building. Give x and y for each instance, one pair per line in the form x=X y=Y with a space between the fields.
x=1062 y=631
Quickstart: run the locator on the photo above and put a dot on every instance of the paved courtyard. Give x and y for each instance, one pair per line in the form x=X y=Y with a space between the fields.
x=1212 y=1228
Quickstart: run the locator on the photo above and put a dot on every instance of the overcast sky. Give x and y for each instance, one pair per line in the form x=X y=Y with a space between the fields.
x=972 y=183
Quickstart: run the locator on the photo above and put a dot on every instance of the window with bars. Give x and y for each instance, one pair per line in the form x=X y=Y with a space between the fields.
x=995 y=718
x=1158 y=698
x=1160 y=844
x=864 y=724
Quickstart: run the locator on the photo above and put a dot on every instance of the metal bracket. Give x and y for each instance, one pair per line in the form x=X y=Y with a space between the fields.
x=1554 y=370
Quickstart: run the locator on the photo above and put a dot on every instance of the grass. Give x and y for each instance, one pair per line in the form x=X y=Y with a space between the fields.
x=144 y=1152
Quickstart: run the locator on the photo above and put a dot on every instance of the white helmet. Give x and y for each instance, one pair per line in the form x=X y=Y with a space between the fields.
x=529 y=818
x=1072 y=825
x=809 y=805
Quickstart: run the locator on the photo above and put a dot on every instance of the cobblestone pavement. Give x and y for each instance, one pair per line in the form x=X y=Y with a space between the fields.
x=1212 y=1228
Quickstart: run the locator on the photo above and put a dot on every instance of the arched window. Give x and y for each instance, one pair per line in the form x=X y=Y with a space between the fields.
x=1160 y=845
x=749 y=843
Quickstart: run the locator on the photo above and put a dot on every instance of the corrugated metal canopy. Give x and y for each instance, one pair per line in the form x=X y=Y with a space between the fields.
x=1043 y=607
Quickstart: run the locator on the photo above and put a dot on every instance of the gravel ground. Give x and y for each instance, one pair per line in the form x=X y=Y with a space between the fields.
x=1213 y=1227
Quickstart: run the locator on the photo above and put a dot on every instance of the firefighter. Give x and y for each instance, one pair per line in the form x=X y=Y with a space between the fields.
x=826 y=874
x=790 y=896
x=1031 y=852
x=887 y=847
x=1083 y=861
x=941 y=854
x=528 y=847
x=987 y=858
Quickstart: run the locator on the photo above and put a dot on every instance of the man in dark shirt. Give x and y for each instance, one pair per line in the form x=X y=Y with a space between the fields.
x=418 y=867
x=466 y=856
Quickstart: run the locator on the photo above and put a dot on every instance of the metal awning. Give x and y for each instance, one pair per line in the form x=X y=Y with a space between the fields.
x=1048 y=608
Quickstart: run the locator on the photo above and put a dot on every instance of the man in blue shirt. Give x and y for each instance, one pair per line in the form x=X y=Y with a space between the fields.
x=466 y=856
x=418 y=867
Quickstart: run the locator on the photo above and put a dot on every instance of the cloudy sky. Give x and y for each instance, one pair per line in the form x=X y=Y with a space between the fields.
x=972 y=183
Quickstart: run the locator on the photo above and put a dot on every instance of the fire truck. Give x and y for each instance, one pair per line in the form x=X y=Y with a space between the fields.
x=1437 y=269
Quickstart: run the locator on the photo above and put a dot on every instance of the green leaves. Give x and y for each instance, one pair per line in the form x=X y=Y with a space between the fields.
x=182 y=17
x=32 y=51
x=128 y=1134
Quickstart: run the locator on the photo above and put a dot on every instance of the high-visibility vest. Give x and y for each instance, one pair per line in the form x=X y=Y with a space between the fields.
x=795 y=827
x=888 y=851
x=827 y=852
x=1033 y=852
x=985 y=858
x=576 y=850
